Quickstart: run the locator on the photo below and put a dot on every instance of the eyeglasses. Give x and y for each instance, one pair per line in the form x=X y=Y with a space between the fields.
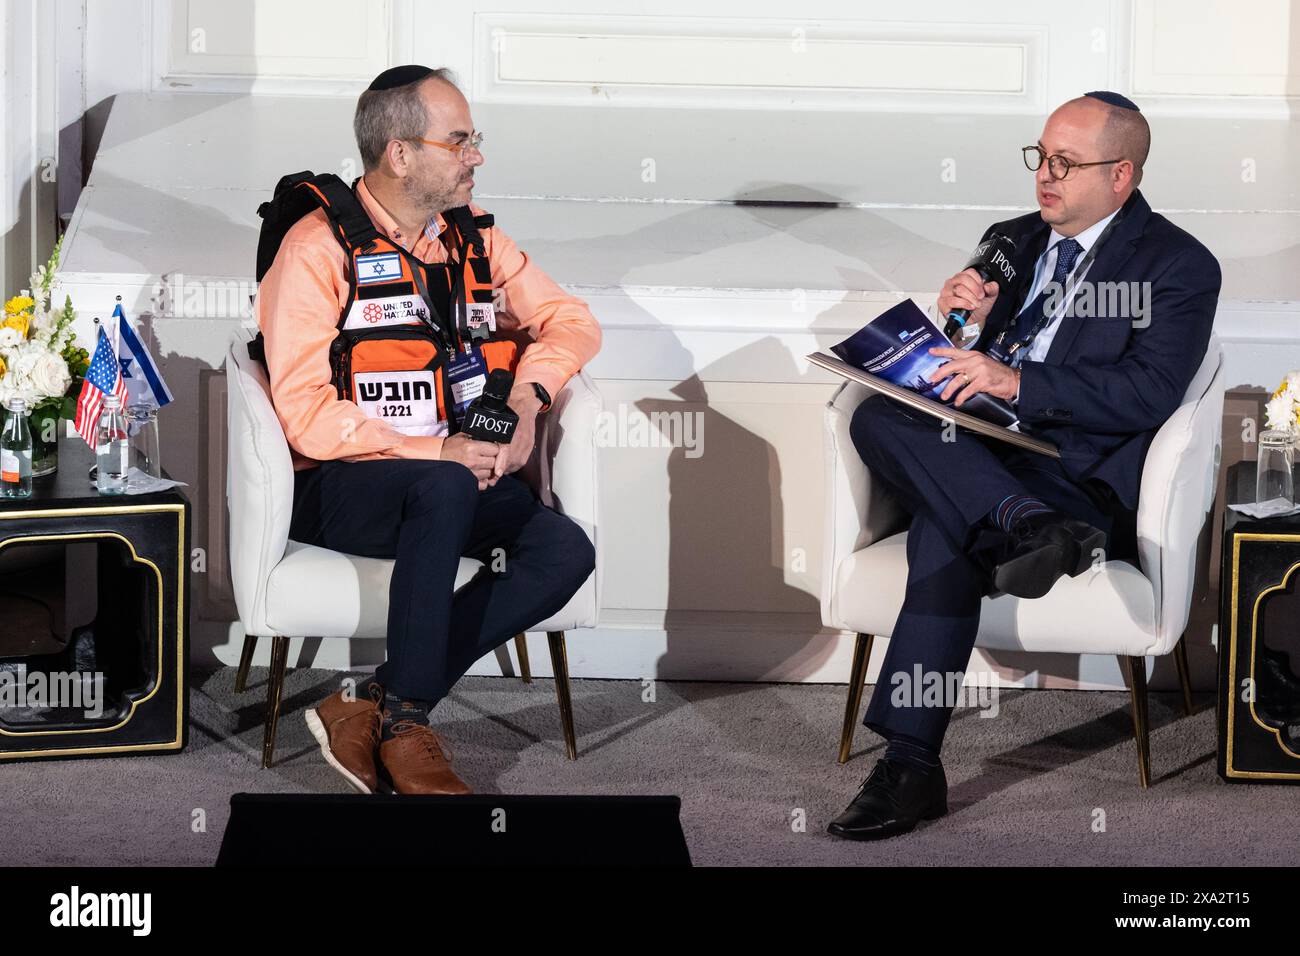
x=1058 y=166
x=456 y=149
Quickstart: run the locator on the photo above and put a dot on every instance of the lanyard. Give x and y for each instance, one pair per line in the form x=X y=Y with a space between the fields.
x=458 y=336
x=459 y=297
x=460 y=301
x=1005 y=353
x=421 y=284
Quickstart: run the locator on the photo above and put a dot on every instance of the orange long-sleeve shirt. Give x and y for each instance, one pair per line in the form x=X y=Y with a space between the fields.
x=303 y=293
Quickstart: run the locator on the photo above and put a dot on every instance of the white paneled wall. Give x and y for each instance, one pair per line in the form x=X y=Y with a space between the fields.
x=1207 y=56
x=242 y=45
x=1210 y=49
x=712 y=562
x=29 y=90
x=929 y=55
x=938 y=55
x=744 y=63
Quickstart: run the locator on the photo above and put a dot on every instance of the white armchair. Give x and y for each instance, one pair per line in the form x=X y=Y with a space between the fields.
x=1132 y=612
x=287 y=589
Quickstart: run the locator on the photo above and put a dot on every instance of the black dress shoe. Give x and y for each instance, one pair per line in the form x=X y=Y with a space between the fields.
x=895 y=797
x=1042 y=549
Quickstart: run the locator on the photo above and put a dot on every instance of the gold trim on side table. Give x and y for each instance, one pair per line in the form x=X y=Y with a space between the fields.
x=1232 y=655
x=180 y=626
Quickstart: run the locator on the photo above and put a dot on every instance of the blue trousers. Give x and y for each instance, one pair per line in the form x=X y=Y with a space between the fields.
x=426 y=515
x=949 y=487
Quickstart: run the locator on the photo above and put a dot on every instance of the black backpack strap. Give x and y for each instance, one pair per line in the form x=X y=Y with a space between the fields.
x=346 y=211
x=286 y=206
x=283 y=186
x=468 y=226
x=297 y=195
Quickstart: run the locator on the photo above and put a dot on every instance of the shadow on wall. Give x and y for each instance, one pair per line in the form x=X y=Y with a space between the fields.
x=19 y=253
x=727 y=554
x=184 y=220
x=185 y=432
x=728 y=543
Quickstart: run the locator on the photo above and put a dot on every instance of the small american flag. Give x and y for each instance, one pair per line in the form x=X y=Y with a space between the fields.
x=104 y=377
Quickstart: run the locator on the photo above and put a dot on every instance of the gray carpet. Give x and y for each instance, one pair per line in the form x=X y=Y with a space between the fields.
x=1026 y=786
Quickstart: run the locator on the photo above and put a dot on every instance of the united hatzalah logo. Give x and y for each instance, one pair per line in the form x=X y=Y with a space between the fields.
x=373 y=312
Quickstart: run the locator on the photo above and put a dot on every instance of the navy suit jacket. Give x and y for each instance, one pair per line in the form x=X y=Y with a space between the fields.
x=1114 y=374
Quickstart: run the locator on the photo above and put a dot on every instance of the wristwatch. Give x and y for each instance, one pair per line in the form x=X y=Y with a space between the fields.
x=542 y=396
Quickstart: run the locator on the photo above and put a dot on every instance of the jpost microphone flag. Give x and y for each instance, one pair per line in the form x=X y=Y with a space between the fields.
x=144 y=383
x=103 y=377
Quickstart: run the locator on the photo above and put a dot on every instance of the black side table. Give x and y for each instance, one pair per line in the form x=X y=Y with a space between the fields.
x=1259 y=642
x=137 y=645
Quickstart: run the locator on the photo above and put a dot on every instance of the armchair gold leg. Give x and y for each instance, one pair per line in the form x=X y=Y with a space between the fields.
x=274 y=689
x=521 y=648
x=1137 y=674
x=857 y=677
x=245 y=660
x=1184 y=673
x=560 y=665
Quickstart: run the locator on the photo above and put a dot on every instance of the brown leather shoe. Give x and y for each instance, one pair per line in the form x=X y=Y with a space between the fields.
x=416 y=763
x=348 y=733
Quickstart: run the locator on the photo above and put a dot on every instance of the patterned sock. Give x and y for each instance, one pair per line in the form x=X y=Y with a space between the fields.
x=912 y=750
x=398 y=709
x=1014 y=509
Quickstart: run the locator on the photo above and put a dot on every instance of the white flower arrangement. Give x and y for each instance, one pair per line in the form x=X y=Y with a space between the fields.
x=39 y=361
x=1283 y=410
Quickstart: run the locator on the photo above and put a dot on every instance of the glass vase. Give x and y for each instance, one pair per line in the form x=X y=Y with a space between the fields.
x=45 y=425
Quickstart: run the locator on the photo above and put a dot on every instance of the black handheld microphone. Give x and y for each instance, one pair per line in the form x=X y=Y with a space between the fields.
x=488 y=417
x=992 y=259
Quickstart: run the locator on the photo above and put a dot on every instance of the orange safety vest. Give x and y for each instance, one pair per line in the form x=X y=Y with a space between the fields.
x=405 y=320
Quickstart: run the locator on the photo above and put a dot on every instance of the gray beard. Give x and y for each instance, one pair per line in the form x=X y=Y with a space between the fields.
x=430 y=202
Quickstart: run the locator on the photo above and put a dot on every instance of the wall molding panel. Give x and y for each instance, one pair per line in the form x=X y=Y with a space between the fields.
x=748 y=63
x=1209 y=57
x=220 y=46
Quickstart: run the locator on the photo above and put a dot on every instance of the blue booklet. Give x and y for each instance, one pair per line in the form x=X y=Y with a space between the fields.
x=895 y=346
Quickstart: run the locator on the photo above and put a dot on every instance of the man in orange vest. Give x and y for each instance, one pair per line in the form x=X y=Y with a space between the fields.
x=397 y=480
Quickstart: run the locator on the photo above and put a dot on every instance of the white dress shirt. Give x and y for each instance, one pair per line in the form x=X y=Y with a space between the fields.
x=1043 y=270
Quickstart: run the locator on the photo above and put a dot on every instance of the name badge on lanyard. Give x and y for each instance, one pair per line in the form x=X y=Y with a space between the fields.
x=467 y=373
x=1004 y=349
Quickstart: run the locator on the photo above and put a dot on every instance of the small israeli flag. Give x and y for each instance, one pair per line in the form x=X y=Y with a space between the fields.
x=144 y=383
x=384 y=267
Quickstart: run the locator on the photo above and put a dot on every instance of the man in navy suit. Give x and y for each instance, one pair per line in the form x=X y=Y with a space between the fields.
x=1096 y=344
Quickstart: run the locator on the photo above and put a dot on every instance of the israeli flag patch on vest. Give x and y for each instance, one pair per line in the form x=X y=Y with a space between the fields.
x=384 y=267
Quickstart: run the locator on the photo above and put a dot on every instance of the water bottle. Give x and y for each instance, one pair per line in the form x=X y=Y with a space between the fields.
x=112 y=448
x=16 y=452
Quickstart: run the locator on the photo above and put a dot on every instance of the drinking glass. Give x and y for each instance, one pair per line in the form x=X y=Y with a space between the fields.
x=1273 y=477
x=142 y=424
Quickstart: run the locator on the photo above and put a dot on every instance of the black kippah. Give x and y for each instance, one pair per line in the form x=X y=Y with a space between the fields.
x=1114 y=99
x=399 y=76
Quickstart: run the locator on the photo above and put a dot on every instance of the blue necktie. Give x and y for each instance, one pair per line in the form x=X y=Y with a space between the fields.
x=1067 y=250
